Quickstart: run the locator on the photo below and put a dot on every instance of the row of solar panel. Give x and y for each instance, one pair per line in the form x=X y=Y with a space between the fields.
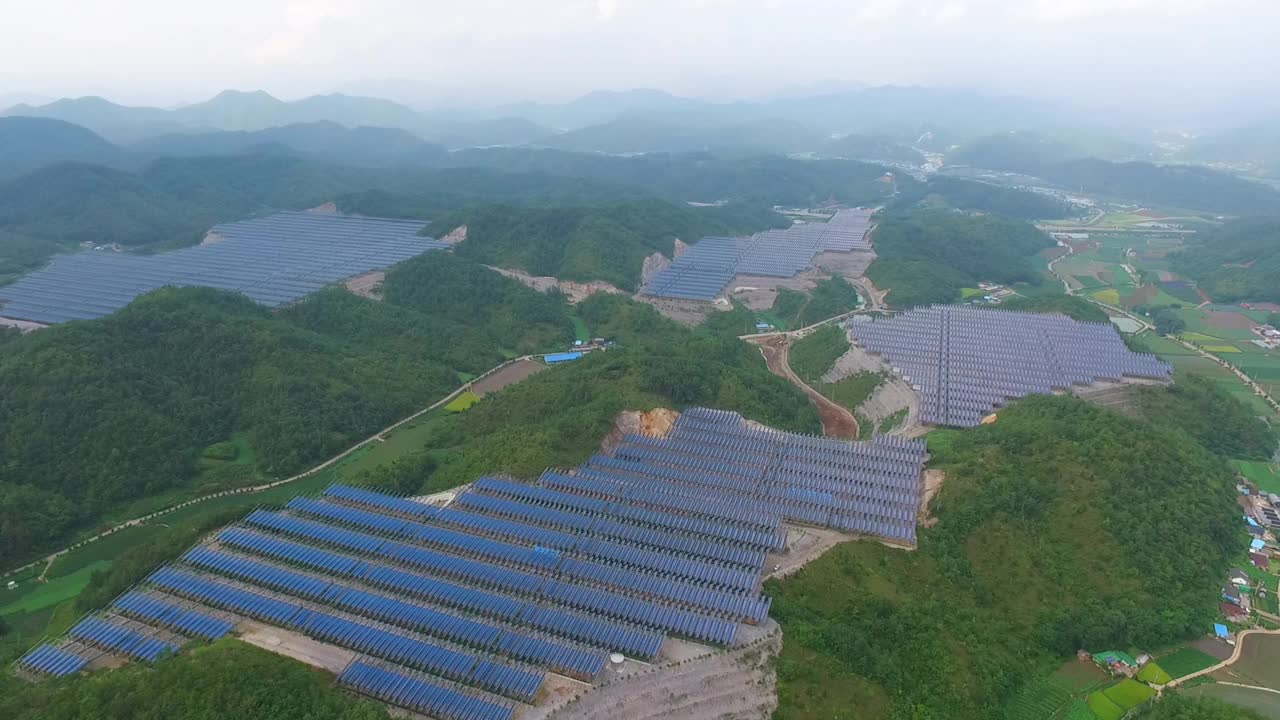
x=158 y=612
x=393 y=646
x=608 y=635
x=120 y=640
x=51 y=661
x=617 y=637
x=415 y=693
x=543 y=540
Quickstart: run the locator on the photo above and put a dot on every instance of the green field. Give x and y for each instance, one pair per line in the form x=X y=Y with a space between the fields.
x=462 y=402
x=1153 y=674
x=48 y=594
x=1104 y=708
x=1043 y=699
x=580 y=329
x=967 y=293
x=1187 y=660
x=1128 y=694
x=1263 y=474
x=1221 y=349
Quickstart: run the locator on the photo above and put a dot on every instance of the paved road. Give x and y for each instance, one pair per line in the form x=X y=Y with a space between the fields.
x=1235 y=655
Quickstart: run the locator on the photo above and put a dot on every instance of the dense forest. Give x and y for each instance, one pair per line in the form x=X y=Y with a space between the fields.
x=927 y=257
x=705 y=177
x=99 y=413
x=559 y=417
x=602 y=242
x=948 y=192
x=1180 y=706
x=1238 y=261
x=1056 y=531
x=228 y=679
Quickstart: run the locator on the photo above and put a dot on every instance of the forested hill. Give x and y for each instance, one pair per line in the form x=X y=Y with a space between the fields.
x=606 y=242
x=1174 y=186
x=1239 y=261
x=703 y=177
x=1061 y=526
x=927 y=257
x=99 y=413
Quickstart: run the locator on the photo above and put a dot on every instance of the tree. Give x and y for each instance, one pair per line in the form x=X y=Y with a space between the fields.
x=1168 y=322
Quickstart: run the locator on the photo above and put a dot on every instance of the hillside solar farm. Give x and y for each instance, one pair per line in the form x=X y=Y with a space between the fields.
x=273 y=260
x=966 y=361
x=708 y=267
x=474 y=608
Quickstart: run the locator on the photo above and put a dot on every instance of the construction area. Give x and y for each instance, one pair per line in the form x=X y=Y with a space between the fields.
x=629 y=585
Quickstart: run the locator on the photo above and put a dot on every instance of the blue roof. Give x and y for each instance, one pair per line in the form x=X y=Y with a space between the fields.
x=1251 y=521
x=1257 y=544
x=1221 y=630
x=562 y=357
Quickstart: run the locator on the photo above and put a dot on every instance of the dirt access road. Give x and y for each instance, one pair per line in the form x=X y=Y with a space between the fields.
x=837 y=422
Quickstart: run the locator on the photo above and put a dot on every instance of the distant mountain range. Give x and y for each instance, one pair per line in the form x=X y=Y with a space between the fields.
x=902 y=111
x=236 y=111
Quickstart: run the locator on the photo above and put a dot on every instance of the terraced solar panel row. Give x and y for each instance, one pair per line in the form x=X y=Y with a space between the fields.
x=966 y=361
x=718 y=460
x=52 y=661
x=120 y=640
x=421 y=694
x=273 y=260
x=187 y=622
x=521 y=684
x=706 y=268
x=618 y=638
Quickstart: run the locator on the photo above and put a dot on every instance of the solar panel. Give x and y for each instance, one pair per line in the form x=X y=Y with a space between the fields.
x=273 y=260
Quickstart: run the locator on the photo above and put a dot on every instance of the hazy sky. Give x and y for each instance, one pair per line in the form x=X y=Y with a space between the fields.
x=1098 y=52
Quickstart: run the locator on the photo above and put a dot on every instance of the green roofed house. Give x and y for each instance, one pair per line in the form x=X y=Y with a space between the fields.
x=1117 y=661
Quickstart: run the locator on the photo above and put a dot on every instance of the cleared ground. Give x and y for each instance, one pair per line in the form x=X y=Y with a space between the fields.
x=508 y=375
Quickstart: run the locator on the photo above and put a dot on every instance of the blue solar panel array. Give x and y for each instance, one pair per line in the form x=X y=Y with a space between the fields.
x=164 y=614
x=274 y=260
x=421 y=694
x=50 y=661
x=707 y=267
x=966 y=361
x=120 y=640
x=458 y=611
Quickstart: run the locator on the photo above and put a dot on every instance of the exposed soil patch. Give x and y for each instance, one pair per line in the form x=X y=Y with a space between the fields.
x=454 y=236
x=367 y=285
x=507 y=375
x=655 y=423
x=653 y=265
x=759 y=292
x=933 y=480
x=848 y=265
x=575 y=291
x=804 y=545
x=1234 y=320
x=25 y=326
x=685 y=312
x=739 y=684
x=837 y=422
x=295 y=645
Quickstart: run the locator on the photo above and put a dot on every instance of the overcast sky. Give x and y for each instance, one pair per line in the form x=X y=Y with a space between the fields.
x=1098 y=52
